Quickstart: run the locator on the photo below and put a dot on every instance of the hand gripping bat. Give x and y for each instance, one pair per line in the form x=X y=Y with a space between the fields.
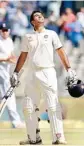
x=5 y=98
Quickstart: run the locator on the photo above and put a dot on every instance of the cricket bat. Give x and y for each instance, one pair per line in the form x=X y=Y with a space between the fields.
x=8 y=94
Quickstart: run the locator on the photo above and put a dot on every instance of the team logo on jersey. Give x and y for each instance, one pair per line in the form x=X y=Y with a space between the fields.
x=46 y=36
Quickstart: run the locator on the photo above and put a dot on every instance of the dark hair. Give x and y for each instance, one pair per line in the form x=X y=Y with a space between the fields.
x=32 y=15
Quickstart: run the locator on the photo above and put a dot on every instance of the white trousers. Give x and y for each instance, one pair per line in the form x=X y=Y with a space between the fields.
x=11 y=103
x=43 y=82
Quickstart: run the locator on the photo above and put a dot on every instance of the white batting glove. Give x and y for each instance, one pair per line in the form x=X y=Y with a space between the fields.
x=14 y=79
x=71 y=77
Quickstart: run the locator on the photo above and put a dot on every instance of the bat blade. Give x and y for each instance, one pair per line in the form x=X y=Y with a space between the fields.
x=3 y=102
x=8 y=94
x=2 y=106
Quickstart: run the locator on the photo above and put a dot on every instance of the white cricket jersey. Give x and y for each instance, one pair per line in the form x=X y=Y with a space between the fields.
x=6 y=48
x=41 y=47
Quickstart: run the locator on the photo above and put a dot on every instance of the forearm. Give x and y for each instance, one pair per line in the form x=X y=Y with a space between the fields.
x=2 y=58
x=64 y=58
x=20 y=61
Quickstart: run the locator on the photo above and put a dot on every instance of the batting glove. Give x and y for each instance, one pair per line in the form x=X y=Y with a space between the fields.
x=14 y=79
x=71 y=77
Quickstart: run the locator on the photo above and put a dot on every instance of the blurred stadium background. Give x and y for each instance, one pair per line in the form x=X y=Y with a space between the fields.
x=67 y=19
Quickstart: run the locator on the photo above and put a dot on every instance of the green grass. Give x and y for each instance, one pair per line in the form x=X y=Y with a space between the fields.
x=13 y=136
x=73 y=126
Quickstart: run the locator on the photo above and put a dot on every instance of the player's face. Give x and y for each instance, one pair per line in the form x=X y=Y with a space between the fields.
x=5 y=33
x=38 y=19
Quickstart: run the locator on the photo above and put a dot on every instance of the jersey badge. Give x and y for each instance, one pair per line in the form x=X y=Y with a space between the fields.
x=46 y=36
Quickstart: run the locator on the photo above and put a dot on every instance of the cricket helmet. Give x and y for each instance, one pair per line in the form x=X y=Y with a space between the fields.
x=76 y=89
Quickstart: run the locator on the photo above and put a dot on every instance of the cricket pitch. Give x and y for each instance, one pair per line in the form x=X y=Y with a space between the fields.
x=74 y=135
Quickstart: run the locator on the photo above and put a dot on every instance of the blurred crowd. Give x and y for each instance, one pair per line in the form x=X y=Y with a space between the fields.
x=69 y=25
x=16 y=14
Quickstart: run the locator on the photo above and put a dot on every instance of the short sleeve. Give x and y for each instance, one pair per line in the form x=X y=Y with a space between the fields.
x=56 y=41
x=24 y=44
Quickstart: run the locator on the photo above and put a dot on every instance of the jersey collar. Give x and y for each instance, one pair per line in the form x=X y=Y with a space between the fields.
x=43 y=30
